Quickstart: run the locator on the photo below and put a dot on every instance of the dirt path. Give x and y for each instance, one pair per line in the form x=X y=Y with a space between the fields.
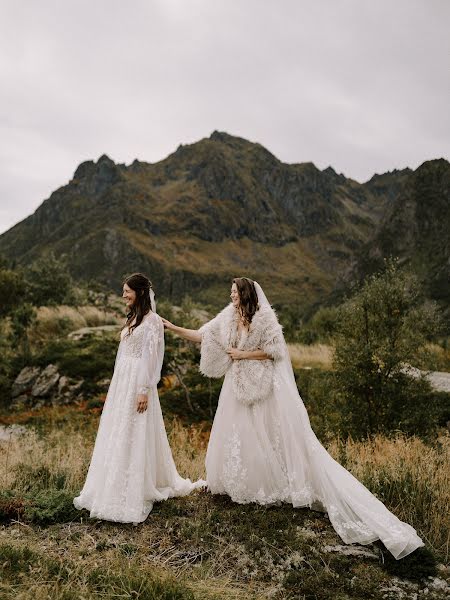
x=439 y=380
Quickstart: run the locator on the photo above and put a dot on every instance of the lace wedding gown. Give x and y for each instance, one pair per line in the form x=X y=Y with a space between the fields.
x=132 y=465
x=267 y=452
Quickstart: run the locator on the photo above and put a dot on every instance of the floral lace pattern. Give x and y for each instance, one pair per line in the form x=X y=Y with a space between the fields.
x=132 y=465
x=266 y=452
x=234 y=472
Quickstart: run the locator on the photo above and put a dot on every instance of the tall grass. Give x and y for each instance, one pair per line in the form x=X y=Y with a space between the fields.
x=31 y=460
x=201 y=546
x=411 y=477
x=188 y=448
x=58 y=320
x=311 y=356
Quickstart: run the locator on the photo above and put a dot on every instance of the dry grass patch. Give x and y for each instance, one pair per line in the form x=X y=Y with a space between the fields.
x=200 y=546
x=189 y=448
x=59 y=320
x=411 y=477
x=311 y=356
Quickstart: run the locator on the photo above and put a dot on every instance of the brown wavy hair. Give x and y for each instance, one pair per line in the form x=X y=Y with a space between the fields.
x=248 y=298
x=141 y=306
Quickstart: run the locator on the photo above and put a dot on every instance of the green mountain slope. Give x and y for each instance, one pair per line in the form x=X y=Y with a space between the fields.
x=416 y=229
x=212 y=210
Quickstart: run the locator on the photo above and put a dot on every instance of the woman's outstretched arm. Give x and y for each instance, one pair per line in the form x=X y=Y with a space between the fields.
x=193 y=335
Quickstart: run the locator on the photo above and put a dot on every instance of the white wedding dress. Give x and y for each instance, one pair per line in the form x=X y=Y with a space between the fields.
x=267 y=453
x=132 y=465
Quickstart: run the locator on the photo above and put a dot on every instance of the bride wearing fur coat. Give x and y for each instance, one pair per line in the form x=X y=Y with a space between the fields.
x=262 y=448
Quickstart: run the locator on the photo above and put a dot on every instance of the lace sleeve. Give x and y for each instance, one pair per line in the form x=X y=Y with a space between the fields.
x=150 y=363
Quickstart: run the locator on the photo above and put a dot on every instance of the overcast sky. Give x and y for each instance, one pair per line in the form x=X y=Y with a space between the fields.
x=361 y=85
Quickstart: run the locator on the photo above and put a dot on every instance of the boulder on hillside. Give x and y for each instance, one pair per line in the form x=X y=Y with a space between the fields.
x=98 y=330
x=103 y=384
x=46 y=382
x=35 y=387
x=68 y=390
x=25 y=380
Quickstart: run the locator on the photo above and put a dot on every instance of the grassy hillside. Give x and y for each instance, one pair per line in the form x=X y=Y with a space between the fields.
x=205 y=546
x=214 y=209
x=416 y=229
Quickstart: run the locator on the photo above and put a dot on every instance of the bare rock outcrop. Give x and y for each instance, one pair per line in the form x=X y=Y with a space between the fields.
x=35 y=387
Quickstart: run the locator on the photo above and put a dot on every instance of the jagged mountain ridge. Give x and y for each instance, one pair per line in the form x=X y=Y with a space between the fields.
x=214 y=209
x=416 y=229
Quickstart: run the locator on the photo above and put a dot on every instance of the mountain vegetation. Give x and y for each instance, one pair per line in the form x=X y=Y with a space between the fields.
x=223 y=207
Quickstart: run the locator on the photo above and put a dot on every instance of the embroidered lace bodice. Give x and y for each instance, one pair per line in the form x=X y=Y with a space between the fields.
x=132 y=465
x=145 y=346
x=262 y=448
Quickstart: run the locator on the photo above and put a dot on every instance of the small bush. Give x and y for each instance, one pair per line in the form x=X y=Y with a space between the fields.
x=15 y=560
x=384 y=325
x=89 y=358
x=51 y=506
x=12 y=506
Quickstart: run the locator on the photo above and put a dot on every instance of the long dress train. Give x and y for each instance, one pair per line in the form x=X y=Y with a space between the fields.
x=267 y=452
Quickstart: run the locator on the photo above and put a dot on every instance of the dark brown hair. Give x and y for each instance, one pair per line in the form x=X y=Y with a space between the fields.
x=248 y=298
x=141 y=306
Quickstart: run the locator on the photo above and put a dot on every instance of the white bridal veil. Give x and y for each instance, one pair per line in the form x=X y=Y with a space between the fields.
x=151 y=293
x=318 y=481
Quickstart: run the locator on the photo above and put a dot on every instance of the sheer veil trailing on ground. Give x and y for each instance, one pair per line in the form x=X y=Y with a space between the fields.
x=356 y=515
x=267 y=452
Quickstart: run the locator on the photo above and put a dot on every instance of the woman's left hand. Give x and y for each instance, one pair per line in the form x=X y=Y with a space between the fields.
x=236 y=354
x=167 y=324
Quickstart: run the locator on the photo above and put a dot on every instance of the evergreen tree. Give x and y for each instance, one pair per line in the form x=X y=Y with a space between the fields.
x=379 y=332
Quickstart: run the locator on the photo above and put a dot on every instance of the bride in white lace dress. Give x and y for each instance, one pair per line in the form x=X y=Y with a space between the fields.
x=262 y=448
x=132 y=465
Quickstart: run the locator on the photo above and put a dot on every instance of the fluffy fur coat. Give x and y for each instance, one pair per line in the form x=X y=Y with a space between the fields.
x=252 y=379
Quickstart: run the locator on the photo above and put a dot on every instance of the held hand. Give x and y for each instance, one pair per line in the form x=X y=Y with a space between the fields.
x=236 y=354
x=142 y=403
x=167 y=324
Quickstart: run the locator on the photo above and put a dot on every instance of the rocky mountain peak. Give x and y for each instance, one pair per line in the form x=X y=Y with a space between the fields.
x=94 y=178
x=225 y=204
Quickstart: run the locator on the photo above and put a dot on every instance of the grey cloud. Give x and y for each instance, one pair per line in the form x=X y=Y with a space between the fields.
x=358 y=85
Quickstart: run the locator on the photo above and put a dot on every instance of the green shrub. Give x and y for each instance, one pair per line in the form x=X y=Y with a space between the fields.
x=12 y=290
x=89 y=358
x=15 y=560
x=48 y=281
x=51 y=506
x=29 y=478
x=381 y=328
